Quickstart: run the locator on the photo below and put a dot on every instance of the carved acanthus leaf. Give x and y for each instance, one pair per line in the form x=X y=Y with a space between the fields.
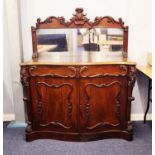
x=79 y=18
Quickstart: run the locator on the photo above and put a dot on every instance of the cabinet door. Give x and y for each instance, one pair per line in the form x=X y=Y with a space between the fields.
x=103 y=103
x=54 y=104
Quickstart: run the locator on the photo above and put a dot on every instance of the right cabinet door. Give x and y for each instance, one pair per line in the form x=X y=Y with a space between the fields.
x=103 y=103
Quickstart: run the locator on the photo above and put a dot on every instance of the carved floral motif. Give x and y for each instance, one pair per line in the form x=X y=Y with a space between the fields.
x=79 y=18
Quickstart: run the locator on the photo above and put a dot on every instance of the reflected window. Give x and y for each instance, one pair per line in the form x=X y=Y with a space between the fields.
x=53 y=42
x=100 y=39
x=88 y=40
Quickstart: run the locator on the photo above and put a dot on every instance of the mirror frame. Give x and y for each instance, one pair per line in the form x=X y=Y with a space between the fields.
x=79 y=20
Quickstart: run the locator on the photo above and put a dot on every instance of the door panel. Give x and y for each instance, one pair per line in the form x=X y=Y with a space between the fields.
x=54 y=104
x=102 y=102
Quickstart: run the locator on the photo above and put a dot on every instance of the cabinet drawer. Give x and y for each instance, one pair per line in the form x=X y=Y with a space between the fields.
x=103 y=70
x=53 y=71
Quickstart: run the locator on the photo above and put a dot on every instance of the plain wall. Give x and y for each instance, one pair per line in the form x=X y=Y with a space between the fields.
x=135 y=13
x=13 y=102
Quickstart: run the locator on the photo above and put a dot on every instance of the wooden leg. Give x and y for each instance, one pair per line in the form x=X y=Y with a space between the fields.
x=148 y=101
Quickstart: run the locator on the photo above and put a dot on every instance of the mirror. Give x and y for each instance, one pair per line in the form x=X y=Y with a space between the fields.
x=80 y=40
x=54 y=40
x=100 y=39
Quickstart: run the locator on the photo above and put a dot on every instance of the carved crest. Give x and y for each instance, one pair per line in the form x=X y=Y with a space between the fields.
x=79 y=18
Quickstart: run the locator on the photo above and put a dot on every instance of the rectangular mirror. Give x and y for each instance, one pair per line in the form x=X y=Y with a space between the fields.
x=100 y=39
x=55 y=40
x=80 y=39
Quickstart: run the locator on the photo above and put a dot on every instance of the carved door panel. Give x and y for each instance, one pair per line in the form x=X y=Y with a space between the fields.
x=103 y=103
x=54 y=104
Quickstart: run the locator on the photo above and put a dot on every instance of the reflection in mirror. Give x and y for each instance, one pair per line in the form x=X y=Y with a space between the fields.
x=54 y=40
x=81 y=39
x=100 y=39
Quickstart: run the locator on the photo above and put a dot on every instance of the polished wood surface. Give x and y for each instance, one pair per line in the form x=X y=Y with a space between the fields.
x=77 y=58
x=78 y=103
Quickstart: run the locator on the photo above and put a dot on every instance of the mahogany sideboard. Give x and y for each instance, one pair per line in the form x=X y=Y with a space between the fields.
x=70 y=97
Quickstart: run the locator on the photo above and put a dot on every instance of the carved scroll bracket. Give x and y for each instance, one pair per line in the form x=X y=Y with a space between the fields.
x=25 y=80
x=131 y=82
x=131 y=76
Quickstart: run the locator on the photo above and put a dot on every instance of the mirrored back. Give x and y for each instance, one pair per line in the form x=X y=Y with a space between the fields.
x=80 y=39
x=104 y=34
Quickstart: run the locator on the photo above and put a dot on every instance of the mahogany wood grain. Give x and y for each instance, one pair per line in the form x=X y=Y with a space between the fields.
x=78 y=103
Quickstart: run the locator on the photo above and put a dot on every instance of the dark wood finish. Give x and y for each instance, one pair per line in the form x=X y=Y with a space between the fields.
x=77 y=99
x=79 y=20
x=78 y=103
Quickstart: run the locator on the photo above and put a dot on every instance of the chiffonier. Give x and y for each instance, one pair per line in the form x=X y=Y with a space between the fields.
x=78 y=85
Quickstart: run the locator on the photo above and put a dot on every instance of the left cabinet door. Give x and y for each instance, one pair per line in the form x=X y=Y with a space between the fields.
x=54 y=104
x=54 y=99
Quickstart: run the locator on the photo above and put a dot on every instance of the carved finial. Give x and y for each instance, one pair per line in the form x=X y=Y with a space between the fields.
x=38 y=20
x=79 y=18
x=120 y=21
x=79 y=10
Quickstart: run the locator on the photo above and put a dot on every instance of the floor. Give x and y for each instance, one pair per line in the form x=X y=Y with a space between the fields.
x=15 y=144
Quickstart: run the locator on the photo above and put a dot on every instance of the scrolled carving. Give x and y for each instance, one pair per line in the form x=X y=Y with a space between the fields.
x=100 y=75
x=56 y=123
x=71 y=68
x=25 y=80
x=79 y=18
x=131 y=76
x=117 y=100
x=131 y=82
x=102 y=124
x=108 y=19
x=40 y=102
x=124 y=68
x=61 y=20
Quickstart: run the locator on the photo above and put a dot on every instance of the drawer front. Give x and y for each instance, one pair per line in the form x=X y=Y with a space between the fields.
x=103 y=70
x=53 y=71
x=86 y=71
